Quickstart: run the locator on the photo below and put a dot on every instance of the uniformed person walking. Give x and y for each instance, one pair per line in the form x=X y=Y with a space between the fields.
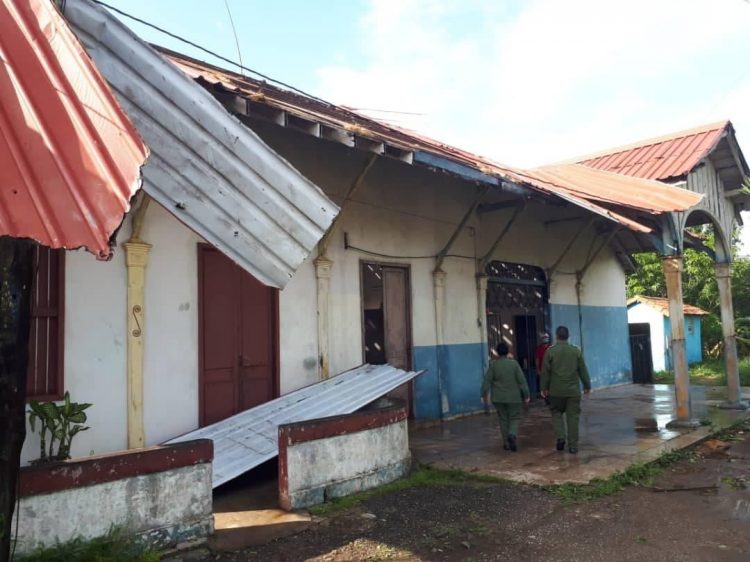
x=505 y=384
x=563 y=372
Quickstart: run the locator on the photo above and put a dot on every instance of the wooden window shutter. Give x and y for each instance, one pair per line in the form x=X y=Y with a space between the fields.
x=46 y=341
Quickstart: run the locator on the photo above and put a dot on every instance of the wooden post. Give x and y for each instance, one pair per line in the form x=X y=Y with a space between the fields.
x=734 y=394
x=323 y=278
x=16 y=278
x=672 y=266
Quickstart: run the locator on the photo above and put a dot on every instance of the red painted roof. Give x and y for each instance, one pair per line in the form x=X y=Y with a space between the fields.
x=662 y=158
x=69 y=157
x=662 y=305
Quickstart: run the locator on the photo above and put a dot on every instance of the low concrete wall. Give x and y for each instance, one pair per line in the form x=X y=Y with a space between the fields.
x=161 y=495
x=337 y=456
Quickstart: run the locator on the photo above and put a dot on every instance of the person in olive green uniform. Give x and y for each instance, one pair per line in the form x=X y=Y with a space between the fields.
x=506 y=385
x=563 y=371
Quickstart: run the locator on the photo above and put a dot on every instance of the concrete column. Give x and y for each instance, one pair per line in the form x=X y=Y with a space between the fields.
x=136 y=259
x=323 y=278
x=724 y=281
x=438 y=283
x=672 y=266
x=482 y=315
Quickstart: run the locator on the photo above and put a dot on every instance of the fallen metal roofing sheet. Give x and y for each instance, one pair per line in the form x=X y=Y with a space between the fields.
x=250 y=438
x=69 y=157
x=207 y=168
x=350 y=126
x=666 y=157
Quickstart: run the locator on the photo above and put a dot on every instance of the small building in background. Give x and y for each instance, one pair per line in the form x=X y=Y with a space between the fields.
x=654 y=313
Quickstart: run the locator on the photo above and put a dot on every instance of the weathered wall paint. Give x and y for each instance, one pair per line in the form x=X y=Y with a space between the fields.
x=693 y=345
x=661 y=329
x=400 y=211
x=605 y=340
x=338 y=466
x=642 y=314
x=163 y=508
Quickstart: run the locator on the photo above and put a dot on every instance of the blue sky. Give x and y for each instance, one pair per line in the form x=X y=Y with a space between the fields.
x=525 y=83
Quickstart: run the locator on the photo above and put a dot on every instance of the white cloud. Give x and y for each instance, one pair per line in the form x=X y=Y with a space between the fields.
x=541 y=81
x=553 y=80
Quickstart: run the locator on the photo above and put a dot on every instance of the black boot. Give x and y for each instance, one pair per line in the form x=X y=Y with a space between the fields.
x=560 y=444
x=512 y=443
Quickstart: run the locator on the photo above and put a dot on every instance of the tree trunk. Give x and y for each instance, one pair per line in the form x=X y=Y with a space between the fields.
x=16 y=277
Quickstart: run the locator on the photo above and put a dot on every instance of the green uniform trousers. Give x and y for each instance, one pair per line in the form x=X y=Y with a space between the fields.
x=510 y=416
x=570 y=408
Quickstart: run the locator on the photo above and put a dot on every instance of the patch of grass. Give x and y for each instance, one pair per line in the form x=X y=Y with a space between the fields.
x=708 y=373
x=114 y=547
x=422 y=476
x=640 y=474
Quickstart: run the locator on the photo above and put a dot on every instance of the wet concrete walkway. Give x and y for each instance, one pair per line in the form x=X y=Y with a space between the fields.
x=619 y=427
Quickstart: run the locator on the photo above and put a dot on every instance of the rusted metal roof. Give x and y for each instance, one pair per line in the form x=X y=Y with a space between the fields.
x=663 y=158
x=250 y=438
x=259 y=99
x=608 y=187
x=208 y=169
x=69 y=157
x=662 y=305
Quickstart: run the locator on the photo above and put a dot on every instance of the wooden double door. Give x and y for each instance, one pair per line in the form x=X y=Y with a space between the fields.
x=238 y=335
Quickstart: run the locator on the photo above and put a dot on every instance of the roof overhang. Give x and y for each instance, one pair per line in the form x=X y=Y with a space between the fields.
x=253 y=99
x=208 y=169
x=70 y=158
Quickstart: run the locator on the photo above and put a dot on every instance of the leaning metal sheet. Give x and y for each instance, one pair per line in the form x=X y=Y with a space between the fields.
x=250 y=438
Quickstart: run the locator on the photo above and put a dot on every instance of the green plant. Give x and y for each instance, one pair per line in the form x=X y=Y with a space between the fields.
x=113 y=547
x=421 y=476
x=58 y=422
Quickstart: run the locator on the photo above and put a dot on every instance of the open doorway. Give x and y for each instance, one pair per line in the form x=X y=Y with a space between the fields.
x=517 y=312
x=386 y=319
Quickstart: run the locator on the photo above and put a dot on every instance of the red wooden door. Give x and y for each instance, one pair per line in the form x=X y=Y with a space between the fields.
x=396 y=326
x=238 y=338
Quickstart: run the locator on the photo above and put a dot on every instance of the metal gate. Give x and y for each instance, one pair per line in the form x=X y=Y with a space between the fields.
x=640 y=353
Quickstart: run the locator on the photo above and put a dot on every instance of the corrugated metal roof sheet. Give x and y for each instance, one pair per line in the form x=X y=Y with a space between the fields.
x=350 y=126
x=662 y=158
x=208 y=169
x=662 y=305
x=69 y=157
x=250 y=438
x=635 y=193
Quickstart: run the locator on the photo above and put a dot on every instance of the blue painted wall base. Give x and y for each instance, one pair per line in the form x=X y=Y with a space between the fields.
x=461 y=366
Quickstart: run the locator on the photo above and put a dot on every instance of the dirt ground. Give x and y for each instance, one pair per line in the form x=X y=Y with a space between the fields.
x=698 y=509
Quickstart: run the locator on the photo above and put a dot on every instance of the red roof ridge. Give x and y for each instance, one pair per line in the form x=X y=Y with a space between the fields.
x=708 y=127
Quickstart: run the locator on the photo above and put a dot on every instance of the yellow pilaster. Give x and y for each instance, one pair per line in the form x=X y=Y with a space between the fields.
x=136 y=259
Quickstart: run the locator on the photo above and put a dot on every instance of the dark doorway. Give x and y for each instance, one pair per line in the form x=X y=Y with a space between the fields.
x=526 y=341
x=640 y=353
x=386 y=319
x=238 y=335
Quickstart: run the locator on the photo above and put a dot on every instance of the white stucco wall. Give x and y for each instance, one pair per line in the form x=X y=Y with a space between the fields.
x=640 y=313
x=94 y=371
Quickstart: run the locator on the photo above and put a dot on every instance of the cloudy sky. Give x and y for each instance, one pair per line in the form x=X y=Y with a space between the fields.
x=524 y=82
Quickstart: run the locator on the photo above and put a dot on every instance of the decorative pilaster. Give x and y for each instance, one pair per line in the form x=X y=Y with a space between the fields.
x=438 y=283
x=323 y=279
x=136 y=260
x=482 y=315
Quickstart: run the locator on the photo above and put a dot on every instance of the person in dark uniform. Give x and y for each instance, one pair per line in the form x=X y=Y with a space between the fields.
x=505 y=384
x=563 y=372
